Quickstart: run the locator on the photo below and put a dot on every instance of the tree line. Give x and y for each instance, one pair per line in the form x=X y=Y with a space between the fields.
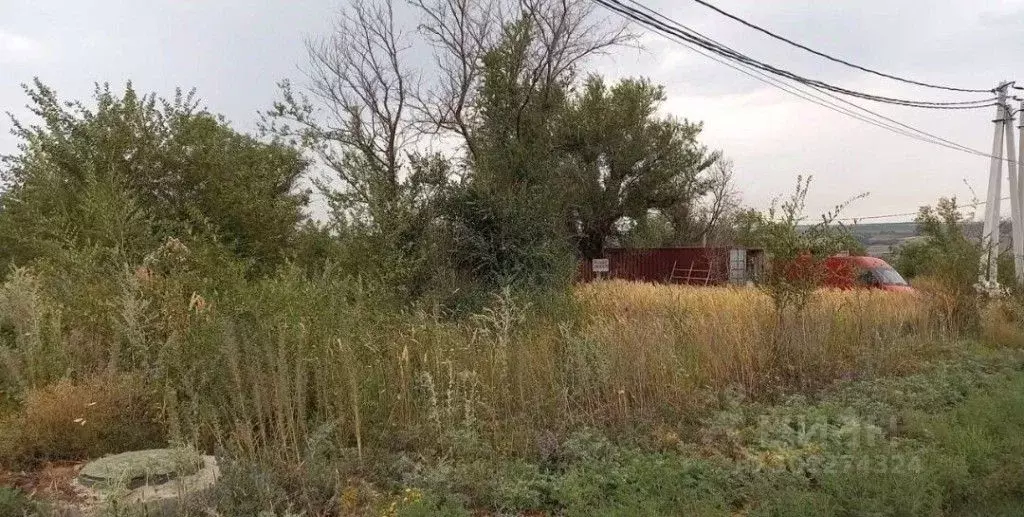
x=500 y=161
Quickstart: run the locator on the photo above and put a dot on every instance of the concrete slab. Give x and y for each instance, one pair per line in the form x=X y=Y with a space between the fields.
x=139 y=468
x=153 y=482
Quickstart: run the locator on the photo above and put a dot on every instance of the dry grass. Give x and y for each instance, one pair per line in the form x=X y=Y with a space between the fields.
x=664 y=339
x=955 y=305
x=290 y=365
x=81 y=420
x=1002 y=323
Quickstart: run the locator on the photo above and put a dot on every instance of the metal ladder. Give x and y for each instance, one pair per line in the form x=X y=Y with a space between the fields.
x=683 y=275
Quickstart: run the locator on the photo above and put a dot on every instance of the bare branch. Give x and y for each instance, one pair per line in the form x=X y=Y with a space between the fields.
x=365 y=112
x=722 y=199
x=359 y=80
x=461 y=32
x=562 y=33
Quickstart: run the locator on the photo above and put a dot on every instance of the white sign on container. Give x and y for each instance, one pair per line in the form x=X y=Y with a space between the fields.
x=599 y=265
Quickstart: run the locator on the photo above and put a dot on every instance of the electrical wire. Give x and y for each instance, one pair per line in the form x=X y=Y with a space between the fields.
x=932 y=138
x=649 y=19
x=893 y=126
x=910 y=132
x=757 y=73
x=833 y=58
x=702 y=40
x=904 y=214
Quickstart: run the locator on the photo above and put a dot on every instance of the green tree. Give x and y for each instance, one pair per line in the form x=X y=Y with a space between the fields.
x=495 y=88
x=945 y=262
x=506 y=215
x=133 y=170
x=942 y=248
x=626 y=162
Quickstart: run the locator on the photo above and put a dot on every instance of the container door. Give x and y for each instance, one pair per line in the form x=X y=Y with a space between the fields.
x=738 y=266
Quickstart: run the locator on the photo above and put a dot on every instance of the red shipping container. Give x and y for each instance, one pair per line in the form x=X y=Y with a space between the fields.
x=689 y=265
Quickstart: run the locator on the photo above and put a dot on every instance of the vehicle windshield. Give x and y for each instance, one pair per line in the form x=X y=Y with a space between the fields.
x=888 y=276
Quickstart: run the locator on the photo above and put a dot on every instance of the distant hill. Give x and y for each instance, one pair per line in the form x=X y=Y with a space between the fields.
x=881 y=238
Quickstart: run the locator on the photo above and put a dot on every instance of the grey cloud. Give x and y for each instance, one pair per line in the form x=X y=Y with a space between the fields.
x=234 y=52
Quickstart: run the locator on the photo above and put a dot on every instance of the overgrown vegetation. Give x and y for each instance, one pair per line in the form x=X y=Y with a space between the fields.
x=797 y=251
x=946 y=263
x=13 y=502
x=884 y=447
x=424 y=351
x=317 y=388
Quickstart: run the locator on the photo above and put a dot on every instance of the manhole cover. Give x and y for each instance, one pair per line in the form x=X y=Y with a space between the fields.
x=140 y=468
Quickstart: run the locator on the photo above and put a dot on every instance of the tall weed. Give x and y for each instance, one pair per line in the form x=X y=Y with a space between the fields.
x=259 y=366
x=32 y=348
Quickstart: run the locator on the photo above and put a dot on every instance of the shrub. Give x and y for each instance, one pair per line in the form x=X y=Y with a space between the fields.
x=797 y=251
x=1002 y=322
x=14 y=503
x=946 y=263
x=79 y=420
x=136 y=169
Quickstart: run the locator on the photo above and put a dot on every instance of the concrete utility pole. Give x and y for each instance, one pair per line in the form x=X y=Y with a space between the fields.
x=1015 y=199
x=990 y=232
x=1018 y=234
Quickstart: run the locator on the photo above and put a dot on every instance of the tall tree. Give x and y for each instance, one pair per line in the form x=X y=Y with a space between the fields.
x=506 y=212
x=369 y=109
x=510 y=214
x=368 y=103
x=626 y=161
x=135 y=169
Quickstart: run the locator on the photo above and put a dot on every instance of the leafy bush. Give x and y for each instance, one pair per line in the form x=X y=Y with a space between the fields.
x=946 y=263
x=126 y=174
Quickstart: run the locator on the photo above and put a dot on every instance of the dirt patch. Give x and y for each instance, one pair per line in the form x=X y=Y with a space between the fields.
x=51 y=482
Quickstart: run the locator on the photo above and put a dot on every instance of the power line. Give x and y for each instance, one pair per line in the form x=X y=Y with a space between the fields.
x=751 y=68
x=649 y=19
x=913 y=133
x=833 y=58
x=937 y=140
x=908 y=131
x=904 y=214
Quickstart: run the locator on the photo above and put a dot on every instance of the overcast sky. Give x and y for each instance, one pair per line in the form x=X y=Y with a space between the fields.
x=234 y=52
